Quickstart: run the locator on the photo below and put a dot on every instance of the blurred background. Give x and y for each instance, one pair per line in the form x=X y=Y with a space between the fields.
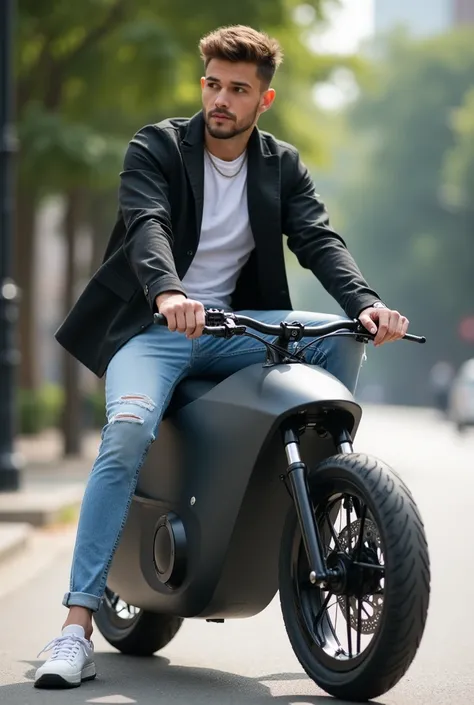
x=378 y=95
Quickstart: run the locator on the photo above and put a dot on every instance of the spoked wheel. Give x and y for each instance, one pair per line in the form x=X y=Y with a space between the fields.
x=357 y=637
x=132 y=630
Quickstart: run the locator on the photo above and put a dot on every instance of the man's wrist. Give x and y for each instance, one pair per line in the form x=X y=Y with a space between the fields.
x=375 y=304
x=165 y=295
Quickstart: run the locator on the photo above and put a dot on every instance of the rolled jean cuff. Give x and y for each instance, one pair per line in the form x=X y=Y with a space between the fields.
x=82 y=599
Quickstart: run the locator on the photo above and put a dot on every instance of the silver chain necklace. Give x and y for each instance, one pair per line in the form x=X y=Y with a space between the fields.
x=226 y=176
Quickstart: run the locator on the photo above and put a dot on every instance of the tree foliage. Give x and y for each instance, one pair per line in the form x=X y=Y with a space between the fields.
x=459 y=163
x=408 y=203
x=89 y=74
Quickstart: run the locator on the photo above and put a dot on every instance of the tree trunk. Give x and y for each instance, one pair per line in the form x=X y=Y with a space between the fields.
x=72 y=414
x=25 y=258
x=102 y=213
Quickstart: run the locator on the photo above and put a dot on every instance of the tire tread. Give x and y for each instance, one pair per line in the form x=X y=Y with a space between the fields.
x=150 y=632
x=407 y=591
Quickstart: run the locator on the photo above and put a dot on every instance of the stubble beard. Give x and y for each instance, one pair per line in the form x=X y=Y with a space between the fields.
x=220 y=133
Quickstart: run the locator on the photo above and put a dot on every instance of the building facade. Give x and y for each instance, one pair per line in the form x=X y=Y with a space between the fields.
x=463 y=11
x=423 y=18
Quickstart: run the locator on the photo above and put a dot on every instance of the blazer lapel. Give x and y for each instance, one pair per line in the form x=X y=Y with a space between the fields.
x=193 y=157
x=263 y=197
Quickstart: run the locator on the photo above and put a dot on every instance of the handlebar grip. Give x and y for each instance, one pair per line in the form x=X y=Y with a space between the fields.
x=415 y=338
x=159 y=319
x=359 y=328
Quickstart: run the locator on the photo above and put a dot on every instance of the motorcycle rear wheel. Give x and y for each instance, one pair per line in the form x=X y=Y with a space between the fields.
x=382 y=556
x=133 y=631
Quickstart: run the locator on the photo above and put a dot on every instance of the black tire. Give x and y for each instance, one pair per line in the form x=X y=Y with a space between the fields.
x=142 y=634
x=401 y=622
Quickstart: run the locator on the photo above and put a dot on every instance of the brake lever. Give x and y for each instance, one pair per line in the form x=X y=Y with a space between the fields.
x=226 y=330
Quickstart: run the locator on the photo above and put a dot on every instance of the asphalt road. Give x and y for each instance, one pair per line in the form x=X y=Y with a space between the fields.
x=250 y=662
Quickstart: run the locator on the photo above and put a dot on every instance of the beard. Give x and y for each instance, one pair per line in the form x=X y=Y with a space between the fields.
x=231 y=128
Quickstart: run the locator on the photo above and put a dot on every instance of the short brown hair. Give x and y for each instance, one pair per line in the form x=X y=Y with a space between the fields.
x=241 y=43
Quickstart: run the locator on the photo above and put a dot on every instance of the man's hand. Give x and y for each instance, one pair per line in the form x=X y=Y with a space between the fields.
x=184 y=315
x=391 y=325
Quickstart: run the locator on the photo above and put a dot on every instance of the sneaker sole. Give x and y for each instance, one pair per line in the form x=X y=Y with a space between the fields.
x=55 y=681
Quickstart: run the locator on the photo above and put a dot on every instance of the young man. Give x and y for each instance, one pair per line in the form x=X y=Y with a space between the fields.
x=204 y=203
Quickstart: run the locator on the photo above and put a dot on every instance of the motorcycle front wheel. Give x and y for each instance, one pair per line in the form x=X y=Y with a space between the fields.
x=357 y=638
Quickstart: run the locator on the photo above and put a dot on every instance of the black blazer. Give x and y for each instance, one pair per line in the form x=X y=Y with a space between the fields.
x=157 y=234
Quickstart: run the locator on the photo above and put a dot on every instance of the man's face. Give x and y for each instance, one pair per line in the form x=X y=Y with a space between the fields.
x=233 y=98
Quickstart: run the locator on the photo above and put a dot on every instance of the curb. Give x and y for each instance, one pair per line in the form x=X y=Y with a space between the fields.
x=14 y=538
x=40 y=505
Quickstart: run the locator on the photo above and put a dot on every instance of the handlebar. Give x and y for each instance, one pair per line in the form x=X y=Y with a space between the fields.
x=226 y=325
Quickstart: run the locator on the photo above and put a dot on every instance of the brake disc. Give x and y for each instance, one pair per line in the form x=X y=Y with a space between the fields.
x=371 y=604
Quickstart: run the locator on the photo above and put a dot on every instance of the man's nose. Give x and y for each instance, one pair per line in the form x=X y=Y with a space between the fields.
x=222 y=100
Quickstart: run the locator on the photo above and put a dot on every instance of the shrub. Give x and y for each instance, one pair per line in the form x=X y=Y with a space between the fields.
x=43 y=409
x=40 y=409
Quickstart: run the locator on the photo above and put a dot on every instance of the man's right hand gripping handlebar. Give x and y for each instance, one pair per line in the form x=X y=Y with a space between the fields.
x=182 y=314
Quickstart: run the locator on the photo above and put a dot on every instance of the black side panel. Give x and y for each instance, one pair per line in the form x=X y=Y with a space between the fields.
x=216 y=464
x=249 y=574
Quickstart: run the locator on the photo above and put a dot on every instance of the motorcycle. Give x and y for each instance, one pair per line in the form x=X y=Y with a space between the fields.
x=253 y=487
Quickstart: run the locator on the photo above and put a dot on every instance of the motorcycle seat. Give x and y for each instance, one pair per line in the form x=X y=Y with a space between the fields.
x=187 y=391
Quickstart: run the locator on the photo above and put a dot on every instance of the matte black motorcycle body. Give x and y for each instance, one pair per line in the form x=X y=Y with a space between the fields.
x=240 y=497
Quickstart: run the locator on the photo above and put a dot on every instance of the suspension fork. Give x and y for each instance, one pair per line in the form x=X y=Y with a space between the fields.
x=297 y=475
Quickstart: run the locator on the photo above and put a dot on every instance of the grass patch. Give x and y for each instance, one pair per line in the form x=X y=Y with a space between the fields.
x=69 y=515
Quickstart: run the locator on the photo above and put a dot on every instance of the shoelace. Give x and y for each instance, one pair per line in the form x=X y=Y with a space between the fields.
x=66 y=647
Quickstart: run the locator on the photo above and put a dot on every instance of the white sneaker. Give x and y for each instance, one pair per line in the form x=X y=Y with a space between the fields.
x=70 y=663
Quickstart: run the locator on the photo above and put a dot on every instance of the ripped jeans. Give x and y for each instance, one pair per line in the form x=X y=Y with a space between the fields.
x=140 y=380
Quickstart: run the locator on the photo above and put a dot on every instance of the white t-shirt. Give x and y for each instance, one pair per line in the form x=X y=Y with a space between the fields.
x=226 y=240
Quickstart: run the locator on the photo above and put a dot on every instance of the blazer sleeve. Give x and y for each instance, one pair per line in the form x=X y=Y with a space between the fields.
x=319 y=248
x=144 y=202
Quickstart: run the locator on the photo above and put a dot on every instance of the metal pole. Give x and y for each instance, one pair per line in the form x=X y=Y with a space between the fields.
x=9 y=355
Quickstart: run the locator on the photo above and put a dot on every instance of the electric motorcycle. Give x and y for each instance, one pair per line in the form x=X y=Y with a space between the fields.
x=253 y=487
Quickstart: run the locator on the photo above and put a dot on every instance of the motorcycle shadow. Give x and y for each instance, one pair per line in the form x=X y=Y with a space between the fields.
x=155 y=681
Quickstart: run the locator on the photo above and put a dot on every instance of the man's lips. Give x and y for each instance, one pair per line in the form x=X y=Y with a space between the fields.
x=221 y=116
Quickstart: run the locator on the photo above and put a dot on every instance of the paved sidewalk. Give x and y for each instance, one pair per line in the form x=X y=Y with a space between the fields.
x=50 y=492
x=43 y=456
x=14 y=537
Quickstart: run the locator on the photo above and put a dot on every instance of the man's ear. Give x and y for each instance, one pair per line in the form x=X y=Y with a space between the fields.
x=268 y=98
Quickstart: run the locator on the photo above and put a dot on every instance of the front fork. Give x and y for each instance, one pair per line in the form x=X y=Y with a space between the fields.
x=297 y=475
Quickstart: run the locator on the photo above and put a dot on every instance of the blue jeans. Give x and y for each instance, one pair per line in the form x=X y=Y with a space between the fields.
x=140 y=380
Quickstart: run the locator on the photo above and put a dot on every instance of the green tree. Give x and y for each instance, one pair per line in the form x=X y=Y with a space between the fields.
x=407 y=205
x=90 y=74
x=459 y=163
